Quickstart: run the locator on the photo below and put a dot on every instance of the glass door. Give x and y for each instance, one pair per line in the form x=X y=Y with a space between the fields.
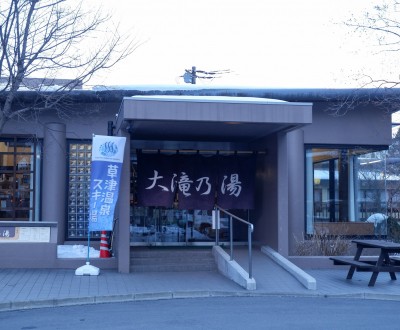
x=169 y=226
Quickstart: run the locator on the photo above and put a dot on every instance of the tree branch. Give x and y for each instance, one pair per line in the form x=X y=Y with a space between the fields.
x=46 y=37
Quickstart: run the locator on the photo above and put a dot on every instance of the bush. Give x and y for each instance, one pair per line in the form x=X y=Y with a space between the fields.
x=322 y=245
x=393 y=229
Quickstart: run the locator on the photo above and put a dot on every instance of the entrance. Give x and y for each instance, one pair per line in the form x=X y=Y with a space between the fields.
x=199 y=124
x=169 y=226
x=186 y=225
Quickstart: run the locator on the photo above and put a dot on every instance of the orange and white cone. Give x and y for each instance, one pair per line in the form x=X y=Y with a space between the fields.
x=104 y=249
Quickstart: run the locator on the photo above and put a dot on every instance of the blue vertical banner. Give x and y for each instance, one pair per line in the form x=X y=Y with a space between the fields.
x=107 y=159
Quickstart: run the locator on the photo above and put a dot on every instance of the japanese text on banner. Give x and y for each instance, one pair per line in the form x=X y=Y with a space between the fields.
x=107 y=158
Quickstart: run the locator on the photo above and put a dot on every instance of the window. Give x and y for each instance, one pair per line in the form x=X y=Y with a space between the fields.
x=344 y=185
x=79 y=168
x=19 y=159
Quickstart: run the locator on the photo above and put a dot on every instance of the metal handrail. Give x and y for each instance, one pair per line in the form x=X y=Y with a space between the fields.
x=250 y=229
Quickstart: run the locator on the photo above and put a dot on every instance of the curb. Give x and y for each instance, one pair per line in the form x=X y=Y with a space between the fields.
x=63 y=302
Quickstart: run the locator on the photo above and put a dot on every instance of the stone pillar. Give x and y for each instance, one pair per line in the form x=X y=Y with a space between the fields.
x=296 y=166
x=283 y=194
x=122 y=233
x=54 y=185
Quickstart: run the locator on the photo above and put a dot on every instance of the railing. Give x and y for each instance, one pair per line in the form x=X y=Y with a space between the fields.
x=250 y=229
x=322 y=211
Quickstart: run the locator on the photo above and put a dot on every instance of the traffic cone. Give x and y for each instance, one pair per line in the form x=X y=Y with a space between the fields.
x=104 y=249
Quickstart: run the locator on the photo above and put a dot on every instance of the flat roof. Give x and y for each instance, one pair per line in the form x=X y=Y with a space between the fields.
x=209 y=118
x=208 y=99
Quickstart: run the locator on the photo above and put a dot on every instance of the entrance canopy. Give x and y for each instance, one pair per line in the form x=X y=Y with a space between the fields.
x=243 y=120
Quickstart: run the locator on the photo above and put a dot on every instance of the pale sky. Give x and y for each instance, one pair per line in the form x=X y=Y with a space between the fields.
x=265 y=43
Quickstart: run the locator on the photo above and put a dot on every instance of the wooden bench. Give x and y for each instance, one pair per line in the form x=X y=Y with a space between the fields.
x=358 y=264
x=395 y=259
x=344 y=228
x=384 y=263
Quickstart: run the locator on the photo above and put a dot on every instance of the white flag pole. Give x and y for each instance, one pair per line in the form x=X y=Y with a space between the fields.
x=88 y=269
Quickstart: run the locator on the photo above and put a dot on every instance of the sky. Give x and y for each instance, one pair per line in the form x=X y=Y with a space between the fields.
x=263 y=43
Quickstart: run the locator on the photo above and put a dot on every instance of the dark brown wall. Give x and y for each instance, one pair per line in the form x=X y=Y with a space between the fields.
x=362 y=125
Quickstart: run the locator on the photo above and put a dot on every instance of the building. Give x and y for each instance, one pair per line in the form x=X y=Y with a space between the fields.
x=308 y=147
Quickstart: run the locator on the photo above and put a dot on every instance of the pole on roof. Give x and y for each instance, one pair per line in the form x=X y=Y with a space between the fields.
x=110 y=128
x=193 y=75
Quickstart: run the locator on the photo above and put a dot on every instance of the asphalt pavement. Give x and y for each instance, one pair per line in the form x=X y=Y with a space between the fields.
x=36 y=288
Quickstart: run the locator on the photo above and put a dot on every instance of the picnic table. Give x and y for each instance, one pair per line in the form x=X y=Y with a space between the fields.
x=382 y=264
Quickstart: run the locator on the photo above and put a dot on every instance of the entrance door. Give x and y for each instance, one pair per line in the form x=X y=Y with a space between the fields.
x=182 y=223
x=168 y=226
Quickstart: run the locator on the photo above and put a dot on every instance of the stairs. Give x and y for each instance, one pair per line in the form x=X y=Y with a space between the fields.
x=169 y=259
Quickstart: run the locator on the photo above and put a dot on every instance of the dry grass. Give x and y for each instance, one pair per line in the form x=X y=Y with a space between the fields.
x=322 y=245
x=393 y=227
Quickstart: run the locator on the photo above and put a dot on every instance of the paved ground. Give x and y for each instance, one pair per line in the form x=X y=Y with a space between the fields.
x=33 y=288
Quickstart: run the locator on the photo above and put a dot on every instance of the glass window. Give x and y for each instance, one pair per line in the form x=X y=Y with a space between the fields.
x=79 y=169
x=19 y=161
x=344 y=186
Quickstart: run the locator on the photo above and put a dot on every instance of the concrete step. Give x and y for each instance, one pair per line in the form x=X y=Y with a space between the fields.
x=171 y=259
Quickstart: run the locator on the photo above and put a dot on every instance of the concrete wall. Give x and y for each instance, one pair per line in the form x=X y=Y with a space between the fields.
x=54 y=167
x=266 y=199
x=272 y=195
x=362 y=125
x=84 y=121
x=296 y=184
x=280 y=197
x=280 y=191
x=122 y=233
x=81 y=120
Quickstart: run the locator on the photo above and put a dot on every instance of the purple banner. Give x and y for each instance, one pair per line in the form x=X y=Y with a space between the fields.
x=156 y=179
x=196 y=182
x=236 y=181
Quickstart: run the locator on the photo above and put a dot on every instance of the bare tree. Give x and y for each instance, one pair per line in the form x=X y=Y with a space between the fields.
x=45 y=38
x=383 y=22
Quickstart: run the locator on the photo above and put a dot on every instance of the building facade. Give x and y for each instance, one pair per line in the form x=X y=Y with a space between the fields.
x=309 y=149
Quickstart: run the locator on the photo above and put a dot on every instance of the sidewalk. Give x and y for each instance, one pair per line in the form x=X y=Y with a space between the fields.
x=35 y=288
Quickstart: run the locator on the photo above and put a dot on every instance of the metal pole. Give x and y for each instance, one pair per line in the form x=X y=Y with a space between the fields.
x=110 y=128
x=110 y=132
x=231 y=236
x=217 y=219
x=250 y=254
x=193 y=75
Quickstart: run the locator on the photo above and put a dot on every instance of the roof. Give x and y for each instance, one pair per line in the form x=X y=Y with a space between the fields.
x=207 y=99
x=210 y=118
x=106 y=95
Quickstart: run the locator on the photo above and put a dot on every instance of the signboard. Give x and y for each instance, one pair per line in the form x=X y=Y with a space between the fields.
x=196 y=181
x=106 y=166
x=24 y=234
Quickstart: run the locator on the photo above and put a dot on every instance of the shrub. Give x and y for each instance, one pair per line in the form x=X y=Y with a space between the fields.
x=322 y=245
x=393 y=229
